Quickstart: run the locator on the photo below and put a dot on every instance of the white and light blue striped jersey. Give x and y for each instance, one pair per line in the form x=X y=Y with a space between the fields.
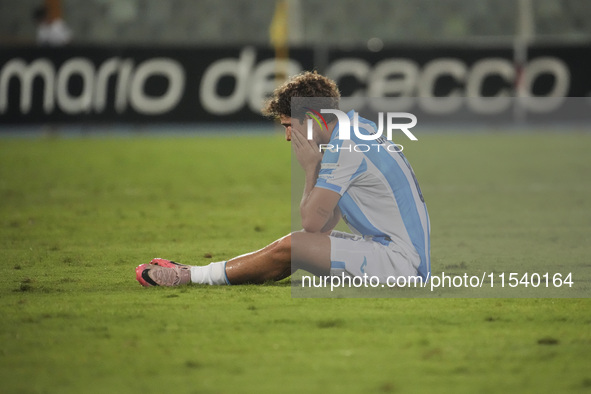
x=380 y=195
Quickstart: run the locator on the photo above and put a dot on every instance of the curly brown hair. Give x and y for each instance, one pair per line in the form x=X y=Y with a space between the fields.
x=306 y=84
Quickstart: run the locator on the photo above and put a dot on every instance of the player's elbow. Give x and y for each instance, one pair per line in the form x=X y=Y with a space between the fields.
x=315 y=216
x=312 y=225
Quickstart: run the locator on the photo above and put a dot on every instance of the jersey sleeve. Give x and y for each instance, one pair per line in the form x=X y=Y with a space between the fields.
x=340 y=167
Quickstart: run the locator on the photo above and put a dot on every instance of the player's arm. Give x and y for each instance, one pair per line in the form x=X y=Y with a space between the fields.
x=331 y=224
x=318 y=207
x=319 y=210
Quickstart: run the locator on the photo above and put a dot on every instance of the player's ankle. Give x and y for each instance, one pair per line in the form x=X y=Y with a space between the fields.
x=211 y=274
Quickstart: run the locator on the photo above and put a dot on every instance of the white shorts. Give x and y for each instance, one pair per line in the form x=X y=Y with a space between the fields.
x=358 y=256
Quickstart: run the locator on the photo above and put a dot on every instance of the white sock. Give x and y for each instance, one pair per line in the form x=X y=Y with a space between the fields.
x=211 y=274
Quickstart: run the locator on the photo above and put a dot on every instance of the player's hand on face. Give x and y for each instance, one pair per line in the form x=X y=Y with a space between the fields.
x=307 y=151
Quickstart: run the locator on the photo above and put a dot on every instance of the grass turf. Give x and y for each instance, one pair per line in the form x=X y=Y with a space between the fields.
x=77 y=215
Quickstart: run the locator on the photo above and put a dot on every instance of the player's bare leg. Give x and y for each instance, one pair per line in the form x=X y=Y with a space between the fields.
x=270 y=263
x=300 y=250
x=311 y=252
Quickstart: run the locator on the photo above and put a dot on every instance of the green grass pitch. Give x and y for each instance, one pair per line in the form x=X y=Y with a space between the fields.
x=78 y=214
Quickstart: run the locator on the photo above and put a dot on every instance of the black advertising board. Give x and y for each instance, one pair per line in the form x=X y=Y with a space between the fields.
x=137 y=84
x=195 y=84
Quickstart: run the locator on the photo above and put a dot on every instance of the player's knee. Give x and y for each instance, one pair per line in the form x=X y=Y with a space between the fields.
x=283 y=248
x=281 y=257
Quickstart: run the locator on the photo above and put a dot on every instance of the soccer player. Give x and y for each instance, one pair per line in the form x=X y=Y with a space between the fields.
x=374 y=191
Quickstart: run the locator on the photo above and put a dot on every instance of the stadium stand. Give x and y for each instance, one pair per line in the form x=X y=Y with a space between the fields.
x=209 y=22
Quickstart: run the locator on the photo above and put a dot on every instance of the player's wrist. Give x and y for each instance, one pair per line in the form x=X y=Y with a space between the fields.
x=311 y=169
